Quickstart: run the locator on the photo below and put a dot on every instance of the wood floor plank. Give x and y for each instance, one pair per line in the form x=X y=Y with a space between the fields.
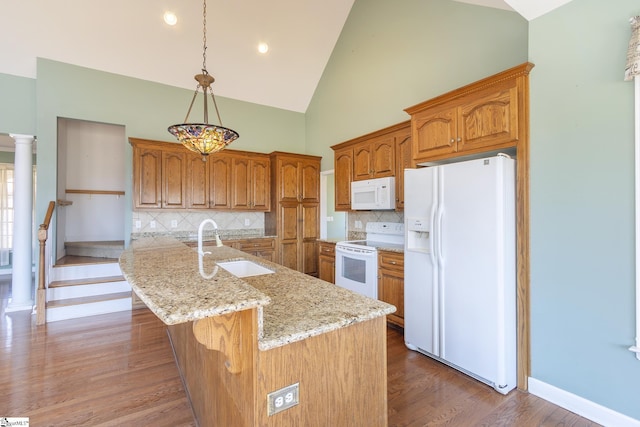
x=118 y=370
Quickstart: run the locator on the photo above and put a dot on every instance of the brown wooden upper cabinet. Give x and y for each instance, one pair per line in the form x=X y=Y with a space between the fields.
x=295 y=214
x=168 y=176
x=484 y=116
x=159 y=178
x=403 y=161
x=250 y=182
x=375 y=158
x=343 y=175
x=386 y=152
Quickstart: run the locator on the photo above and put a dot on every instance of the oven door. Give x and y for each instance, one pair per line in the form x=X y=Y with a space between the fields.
x=357 y=270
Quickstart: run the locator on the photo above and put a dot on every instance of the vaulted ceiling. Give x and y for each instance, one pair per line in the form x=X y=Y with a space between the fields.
x=130 y=38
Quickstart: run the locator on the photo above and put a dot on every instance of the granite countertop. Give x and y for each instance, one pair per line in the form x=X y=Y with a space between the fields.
x=332 y=240
x=208 y=234
x=390 y=248
x=292 y=306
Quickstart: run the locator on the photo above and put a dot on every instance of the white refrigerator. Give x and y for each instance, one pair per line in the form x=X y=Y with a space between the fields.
x=460 y=267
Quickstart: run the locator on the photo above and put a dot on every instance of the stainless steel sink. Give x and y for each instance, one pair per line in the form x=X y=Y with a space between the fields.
x=244 y=268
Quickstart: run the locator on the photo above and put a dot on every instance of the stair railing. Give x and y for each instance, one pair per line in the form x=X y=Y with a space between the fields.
x=41 y=294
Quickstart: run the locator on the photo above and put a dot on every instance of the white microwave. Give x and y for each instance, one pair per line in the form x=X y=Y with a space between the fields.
x=373 y=194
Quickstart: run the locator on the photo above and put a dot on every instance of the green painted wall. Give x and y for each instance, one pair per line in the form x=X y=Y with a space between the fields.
x=17 y=104
x=395 y=54
x=145 y=109
x=582 y=195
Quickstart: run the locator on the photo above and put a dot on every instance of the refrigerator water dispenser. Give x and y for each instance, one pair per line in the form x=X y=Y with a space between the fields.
x=418 y=235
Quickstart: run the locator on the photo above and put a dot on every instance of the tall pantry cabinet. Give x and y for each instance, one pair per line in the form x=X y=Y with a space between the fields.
x=295 y=210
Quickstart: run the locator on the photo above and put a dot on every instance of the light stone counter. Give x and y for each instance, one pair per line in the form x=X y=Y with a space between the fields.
x=292 y=306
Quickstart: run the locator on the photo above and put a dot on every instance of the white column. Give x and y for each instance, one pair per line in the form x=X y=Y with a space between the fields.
x=21 y=285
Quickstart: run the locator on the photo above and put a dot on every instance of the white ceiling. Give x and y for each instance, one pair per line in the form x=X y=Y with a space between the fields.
x=130 y=38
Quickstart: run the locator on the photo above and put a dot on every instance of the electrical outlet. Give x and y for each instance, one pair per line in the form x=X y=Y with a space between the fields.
x=329 y=219
x=174 y=223
x=152 y=224
x=285 y=398
x=247 y=222
x=358 y=224
x=138 y=224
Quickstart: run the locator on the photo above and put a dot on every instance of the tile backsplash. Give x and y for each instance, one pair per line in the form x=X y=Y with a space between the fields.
x=181 y=222
x=363 y=217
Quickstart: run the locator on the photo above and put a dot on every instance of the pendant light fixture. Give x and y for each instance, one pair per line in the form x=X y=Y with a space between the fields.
x=204 y=138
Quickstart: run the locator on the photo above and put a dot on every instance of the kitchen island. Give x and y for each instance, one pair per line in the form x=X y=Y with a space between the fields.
x=238 y=339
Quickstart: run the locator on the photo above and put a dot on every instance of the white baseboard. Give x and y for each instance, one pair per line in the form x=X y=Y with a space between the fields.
x=581 y=406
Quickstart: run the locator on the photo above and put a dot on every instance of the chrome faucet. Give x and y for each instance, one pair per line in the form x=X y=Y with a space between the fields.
x=215 y=227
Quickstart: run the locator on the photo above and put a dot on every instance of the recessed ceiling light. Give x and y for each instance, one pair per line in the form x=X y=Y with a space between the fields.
x=263 y=47
x=170 y=18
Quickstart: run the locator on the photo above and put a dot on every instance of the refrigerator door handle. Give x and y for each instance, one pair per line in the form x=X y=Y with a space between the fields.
x=436 y=291
x=440 y=289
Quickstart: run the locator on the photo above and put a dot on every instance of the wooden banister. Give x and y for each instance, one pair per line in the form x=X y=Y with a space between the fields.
x=41 y=295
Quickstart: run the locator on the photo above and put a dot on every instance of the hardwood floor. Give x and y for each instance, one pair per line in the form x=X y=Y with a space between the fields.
x=118 y=370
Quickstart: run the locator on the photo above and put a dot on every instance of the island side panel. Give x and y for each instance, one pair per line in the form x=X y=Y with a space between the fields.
x=219 y=397
x=342 y=376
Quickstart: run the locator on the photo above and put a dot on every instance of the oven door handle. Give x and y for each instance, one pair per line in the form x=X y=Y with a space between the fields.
x=353 y=251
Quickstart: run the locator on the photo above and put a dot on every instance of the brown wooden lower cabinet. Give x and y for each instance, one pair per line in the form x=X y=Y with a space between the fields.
x=263 y=247
x=327 y=261
x=341 y=375
x=391 y=283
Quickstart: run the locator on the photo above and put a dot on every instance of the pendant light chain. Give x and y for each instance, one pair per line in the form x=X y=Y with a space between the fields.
x=204 y=60
x=204 y=37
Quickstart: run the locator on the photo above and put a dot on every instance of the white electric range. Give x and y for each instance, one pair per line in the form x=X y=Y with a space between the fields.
x=357 y=260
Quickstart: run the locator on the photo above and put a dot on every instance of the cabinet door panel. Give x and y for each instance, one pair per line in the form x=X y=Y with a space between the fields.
x=310 y=182
x=391 y=290
x=310 y=257
x=289 y=254
x=148 y=182
x=197 y=182
x=327 y=268
x=383 y=158
x=403 y=161
x=310 y=220
x=434 y=132
x=491 y=119
x=260 y=185
x=362 y=168
x=174 y=180
x=343 y=176
x=289 y=225
x=220 y=182
x=288 y=185
x=240 y=183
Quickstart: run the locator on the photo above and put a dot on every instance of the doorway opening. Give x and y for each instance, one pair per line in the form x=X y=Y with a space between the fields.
x=90 y=214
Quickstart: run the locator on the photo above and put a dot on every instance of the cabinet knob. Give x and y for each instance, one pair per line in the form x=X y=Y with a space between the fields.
x=393 y=262
x=453 y=140
x=459 y=139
